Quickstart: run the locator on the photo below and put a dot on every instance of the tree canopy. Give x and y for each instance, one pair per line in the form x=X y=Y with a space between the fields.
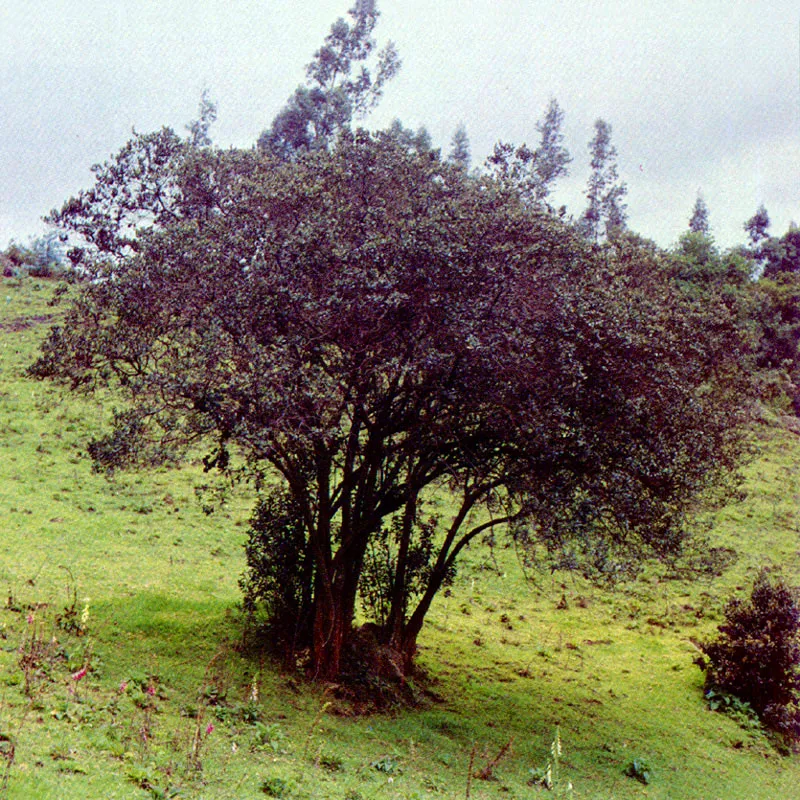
x=371 y=326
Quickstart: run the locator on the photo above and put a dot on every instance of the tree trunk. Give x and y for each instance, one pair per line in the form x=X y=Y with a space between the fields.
x=334 y=611
x=329 y=639
x=399 y=589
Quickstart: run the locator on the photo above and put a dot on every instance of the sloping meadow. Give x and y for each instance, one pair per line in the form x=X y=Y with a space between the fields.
x=125 y=669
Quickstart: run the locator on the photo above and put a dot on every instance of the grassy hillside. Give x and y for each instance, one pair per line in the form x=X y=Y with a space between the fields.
x=128 y=579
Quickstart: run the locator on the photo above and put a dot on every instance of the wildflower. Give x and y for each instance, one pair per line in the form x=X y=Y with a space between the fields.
x=123 y=687
x=85 y=613
x=80 y=674
x=30 y=619
x=209 y=728
x=254 y=690
x=151 y=690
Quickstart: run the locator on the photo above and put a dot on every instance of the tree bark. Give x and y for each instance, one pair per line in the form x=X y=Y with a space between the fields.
x=329 y=638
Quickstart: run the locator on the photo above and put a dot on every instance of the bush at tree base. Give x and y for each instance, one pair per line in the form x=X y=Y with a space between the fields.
x=279 y=570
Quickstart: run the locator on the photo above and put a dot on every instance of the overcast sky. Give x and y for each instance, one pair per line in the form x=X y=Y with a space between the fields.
x=701 y=94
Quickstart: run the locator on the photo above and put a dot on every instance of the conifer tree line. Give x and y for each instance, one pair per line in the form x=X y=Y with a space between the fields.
x=362 y=326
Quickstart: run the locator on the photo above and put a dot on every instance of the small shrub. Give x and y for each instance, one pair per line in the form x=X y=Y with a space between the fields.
x=331 y=763
x=730 y=705
x=275 y=787
x=757 y=655
x=386 y=764
x=269 y=736
x=639 y=770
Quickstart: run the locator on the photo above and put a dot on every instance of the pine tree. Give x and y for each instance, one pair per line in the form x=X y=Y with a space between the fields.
x=699 y=219
x=550 y=157
x=199 y=128
x=333 y=94
x=605 y=192
x=460 y=149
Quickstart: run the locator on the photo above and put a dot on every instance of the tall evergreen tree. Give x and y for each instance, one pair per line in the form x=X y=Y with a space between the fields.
x=758 y=225
x=460 y=154
x=605 y=192
x=550 y=157
x=533 y=172
x=698 y=223
x=333 y=94
x=199 y=128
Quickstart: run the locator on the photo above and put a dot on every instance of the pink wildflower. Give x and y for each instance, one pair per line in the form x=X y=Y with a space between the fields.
x=209 y=728
x=30 y=619
x=80 y=674
x=151 y=690
x=123 y=686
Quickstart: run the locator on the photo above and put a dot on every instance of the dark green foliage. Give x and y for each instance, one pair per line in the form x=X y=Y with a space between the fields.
x=782 y=255
x=703 y=271
x=757 y=655
x=775 y=308
x=138 y=184
x=386 y=764
x=376 y=586
x=43 y=258
x=275 y=787
x=733 y=707
x=758 y=225
x=279 y=571
x=16 y=256
x=775 y=313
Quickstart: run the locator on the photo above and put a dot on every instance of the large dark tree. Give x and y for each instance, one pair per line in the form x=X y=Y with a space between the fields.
x=374 y=328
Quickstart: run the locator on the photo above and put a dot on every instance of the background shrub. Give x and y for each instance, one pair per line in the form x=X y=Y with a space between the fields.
x=757 y=655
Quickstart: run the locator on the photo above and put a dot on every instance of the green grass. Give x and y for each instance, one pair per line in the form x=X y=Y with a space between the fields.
x=613 y=671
